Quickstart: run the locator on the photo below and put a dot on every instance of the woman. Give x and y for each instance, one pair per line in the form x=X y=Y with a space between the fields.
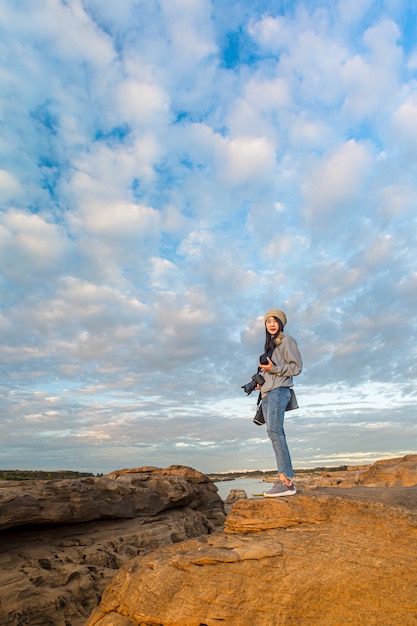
x=281 y=361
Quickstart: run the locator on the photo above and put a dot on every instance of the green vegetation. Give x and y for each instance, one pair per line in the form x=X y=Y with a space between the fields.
x=42 y=475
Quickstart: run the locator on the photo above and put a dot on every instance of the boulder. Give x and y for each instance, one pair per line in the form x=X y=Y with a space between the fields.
x=398 y=472
x=311 y=559
x=52 y=572
x=205 y=497
x=56 y=575
x=124 y=494
x=391 y=472
x=235 y=495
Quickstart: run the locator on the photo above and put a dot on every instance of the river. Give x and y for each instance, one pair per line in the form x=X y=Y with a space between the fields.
x=250 y=485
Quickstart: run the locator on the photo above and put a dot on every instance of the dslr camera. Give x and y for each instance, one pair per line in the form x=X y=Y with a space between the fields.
x=257 y=379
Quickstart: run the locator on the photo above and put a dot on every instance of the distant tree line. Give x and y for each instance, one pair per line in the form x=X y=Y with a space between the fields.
x=42 y=475
x=256 y=473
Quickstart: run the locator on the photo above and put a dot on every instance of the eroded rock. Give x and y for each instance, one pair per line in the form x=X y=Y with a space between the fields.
x=57 y=575
x=398 y=472
x=124 y=494
x=204 y=498
x=313 y=559
x=391 y=472
x=235 y=495
x=53 y=573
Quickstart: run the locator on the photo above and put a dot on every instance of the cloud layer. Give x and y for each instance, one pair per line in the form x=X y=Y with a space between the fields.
x=171 y=170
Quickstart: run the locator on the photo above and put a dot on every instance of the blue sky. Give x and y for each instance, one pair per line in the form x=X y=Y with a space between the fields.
x=170 y=170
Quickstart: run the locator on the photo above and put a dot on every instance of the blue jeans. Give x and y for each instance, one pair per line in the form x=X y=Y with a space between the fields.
x=274 y=405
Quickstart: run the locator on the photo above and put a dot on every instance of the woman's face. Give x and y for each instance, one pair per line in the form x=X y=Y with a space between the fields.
x=271 y=325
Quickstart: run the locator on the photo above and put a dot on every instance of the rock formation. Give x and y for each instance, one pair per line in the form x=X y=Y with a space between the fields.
x=315 y=559
x=396 y=472
x=154 y=537
x=124 y=494
x=63 y=540
x=391 y=473
x=235 y=495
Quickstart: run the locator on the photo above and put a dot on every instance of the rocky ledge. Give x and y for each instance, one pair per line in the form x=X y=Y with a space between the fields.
x=315 y=559
x=63 y=540
x=159 y=543
x=325 y=557
x=396 y=472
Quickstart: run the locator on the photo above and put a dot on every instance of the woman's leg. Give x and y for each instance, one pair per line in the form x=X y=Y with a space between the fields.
x=275 y=404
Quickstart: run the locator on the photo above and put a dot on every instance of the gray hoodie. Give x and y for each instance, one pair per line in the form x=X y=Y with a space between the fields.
x=288 y=363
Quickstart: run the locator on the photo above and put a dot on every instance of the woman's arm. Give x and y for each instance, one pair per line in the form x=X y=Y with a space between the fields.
x=289 y=362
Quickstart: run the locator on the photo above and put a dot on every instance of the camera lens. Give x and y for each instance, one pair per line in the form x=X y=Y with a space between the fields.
x=249 y=387
x=257 y=379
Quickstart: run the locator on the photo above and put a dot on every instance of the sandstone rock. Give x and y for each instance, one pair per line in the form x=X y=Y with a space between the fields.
x=235 y=495
x=359 y=545
x=56 y=575
x=400 y=472
x=125 y=494
x=53 y=573
x=205 y=496
x=317 y=560
x=391 y=472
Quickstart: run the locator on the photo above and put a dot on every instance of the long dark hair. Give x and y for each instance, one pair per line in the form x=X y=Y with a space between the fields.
x=270 y=339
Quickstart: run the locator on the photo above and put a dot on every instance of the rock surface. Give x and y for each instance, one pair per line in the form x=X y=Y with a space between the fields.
x=310 y=560
x=53 y=573
x=326 y=557
x=124 y=494
x=234 y=496
x=396 y=472
x=391 y=473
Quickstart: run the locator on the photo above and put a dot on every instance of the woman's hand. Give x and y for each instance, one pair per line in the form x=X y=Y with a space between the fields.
x=267 y=368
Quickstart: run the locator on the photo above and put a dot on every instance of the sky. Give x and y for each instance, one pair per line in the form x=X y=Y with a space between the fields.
x=169 y=171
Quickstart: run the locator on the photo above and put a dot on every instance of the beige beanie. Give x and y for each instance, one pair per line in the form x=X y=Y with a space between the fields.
x=276 y=313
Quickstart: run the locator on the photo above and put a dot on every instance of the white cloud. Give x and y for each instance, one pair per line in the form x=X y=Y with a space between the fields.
x=246 y=160
x=164 y=275
x=268 y=94
x=141 y=103
x=310 y=58
x=9 y=186
x=189 y=28
x=379 y=252
x=171 y=170
x=397 y=199
x=119 y=220
x=354 y=10
x=305 y=133
x=117 y=166
x=272 y=33
x=404 y=127
x=372 y=80
x=335 y=183
x=30 y=246
x=70 y=31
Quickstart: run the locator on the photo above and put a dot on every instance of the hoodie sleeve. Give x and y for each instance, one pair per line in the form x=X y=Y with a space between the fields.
x=288 y=358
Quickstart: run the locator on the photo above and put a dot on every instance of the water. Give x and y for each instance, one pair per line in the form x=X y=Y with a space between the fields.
x=250 y=485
